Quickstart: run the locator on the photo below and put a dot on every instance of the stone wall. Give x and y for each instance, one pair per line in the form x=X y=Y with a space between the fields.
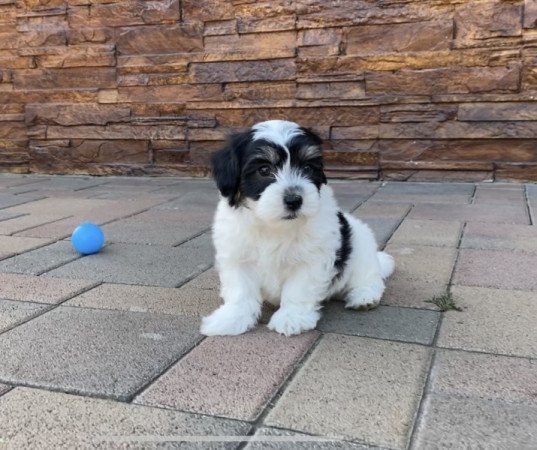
x=398 y=88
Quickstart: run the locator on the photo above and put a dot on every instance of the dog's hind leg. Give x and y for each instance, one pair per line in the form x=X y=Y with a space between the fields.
x=242 y=304
x=366 y=285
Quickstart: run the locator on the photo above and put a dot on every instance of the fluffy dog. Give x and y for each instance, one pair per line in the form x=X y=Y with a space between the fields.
x=280 y=237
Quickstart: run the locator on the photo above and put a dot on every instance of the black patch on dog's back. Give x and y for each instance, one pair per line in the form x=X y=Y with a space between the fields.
x=344 y=251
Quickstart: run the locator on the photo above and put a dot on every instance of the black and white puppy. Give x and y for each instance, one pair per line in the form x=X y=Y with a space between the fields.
x=280 y=237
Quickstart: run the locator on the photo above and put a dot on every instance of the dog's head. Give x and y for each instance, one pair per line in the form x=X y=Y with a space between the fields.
x=275 y=169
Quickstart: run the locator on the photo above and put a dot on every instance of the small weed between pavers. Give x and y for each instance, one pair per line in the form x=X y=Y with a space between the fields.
x=445 y=302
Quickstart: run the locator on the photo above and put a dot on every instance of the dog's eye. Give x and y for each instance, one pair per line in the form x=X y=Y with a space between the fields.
x=307 y=168
x=264 y=171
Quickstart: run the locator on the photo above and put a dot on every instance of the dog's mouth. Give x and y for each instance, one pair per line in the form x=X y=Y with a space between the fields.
x=291 y=216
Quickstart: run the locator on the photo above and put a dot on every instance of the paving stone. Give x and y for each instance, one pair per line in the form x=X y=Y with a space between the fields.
x=498 y=195
x=451 y=422
x=421 y=272
x=385 y=322
x=231 y=376
x=492 y=320
x=350 y=195
x=410 y=188
x=381 y=210
x=266 y=438
x=6 y=215
x=496 y=268
x=64 y=182
x=356 y=388
x=494 y=236
x=383 y=229
x=35 y=262
x=9 y=180
x=25 y=222
x=193 y=197
x=383 y=218
x=149 y=265
x=482 y=376
x=80 y=210
x=158 y=227
x=94 y=351
x=57 y=420
x=415 y=198
x=508 y=213
x=40 y=289
x=12 y=244
x=5 y=255
x=195 y=298
x=4 y=388
x=428 y=232
x=7 y=200
x=13 y=313
x=531 y=190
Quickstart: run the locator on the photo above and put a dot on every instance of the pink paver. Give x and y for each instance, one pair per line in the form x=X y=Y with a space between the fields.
x=230 y=376
x=496 y=269
x=40 y=289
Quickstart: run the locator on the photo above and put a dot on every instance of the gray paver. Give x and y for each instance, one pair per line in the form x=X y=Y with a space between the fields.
x=355 y=388
x=493 y=320
x=451 y=422
x=158 y=227
x=4 y=388
x=411 y=188
x=483 y=376
x=385 y=322
x=421 y=272
x=13 y=313
x=142 y=264
x=57 y=420
x=7 y=200
x=37 y=261
x=90 y=351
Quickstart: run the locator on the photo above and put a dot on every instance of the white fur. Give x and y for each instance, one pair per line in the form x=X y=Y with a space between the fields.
x=260 y=256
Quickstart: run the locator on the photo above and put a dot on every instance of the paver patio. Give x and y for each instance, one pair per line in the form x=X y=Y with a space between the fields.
x=104 y=351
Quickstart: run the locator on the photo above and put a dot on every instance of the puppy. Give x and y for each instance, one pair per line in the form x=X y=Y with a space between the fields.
x=280 y=237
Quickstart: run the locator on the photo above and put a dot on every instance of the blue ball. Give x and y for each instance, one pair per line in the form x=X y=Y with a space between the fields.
x=87 y=238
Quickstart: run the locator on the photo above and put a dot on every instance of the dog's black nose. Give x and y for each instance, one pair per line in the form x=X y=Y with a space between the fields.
x=292 y=201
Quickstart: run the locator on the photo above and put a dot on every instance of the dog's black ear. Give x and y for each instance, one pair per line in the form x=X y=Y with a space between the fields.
x=227 y=167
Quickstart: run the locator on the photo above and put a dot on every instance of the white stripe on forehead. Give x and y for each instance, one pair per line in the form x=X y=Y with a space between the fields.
x=280 y=132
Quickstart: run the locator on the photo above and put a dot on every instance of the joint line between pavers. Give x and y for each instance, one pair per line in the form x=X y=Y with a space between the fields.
x=427 y=386
x=37 y=226
x=271 y=402
x=14 y=217
x=142 y=389
x=361 y=202
x=31 y=317
x=190 y=238
x=192 y=277
x=471 y=200
x=527 y=202
x=51 y=307
x=23 y=203
x=382 y=247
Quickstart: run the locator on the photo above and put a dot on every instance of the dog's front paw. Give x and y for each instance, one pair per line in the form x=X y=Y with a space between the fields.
x=293 y=321
x=228 y=320
x=364 y=298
